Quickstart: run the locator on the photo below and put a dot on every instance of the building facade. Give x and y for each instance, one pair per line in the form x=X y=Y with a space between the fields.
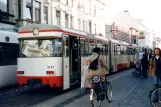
x=7 y=15
x=84 y=15
x=124 y=27
x=146 y=37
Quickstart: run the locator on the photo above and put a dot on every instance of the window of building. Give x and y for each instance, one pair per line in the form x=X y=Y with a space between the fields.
x=58 y=17
x=94 y=10
x=90 y=27
x=79 y=24
x=37 y=11
x=67 y=2
x=66 y=20
x=45 y=14
x=95 y=29
x=4 y=5
x=28 y=10
x=90 y=8
x=71 y=21
x=72 y=3
x=83 y=25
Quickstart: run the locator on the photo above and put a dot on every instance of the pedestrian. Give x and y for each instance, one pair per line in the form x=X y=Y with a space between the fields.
x=144 y=65
x=155 y=70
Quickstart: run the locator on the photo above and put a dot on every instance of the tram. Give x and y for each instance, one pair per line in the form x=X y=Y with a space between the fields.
x=9 y=52
x=54 y=55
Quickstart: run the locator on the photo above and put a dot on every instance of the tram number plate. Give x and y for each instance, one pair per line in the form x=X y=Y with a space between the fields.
x=50 y=67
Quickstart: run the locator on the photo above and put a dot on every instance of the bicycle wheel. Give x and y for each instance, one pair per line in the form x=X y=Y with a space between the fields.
x=94 y=101
x=155 y=98
x=108 y=91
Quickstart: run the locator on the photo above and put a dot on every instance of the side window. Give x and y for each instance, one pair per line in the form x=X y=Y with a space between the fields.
x=107 y=49
x=100 y=45
x=104 y=49
x=125 y=49
x=66 y=49
x=115 y=49
x=1 y=55
x=86 y=47
x=91 y=46
x=131 y=52
x=122 y=49
x=10 y=54
x=82 y=47
x=135 y=51
x=118 y=50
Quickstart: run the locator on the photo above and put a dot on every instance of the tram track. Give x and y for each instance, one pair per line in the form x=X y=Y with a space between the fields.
x=29 y=96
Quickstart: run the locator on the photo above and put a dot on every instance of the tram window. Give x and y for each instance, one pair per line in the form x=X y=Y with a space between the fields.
x=5 y=53
x=106 y=49
x=82 y=47
x=41 y=48
x=86 y=47
x=118 y=50
x=122 y=49
x=131 y=52
x=125 y=49
x=135 y=51
x=113 y=49
x=91 y=46
x=100 y=45
x=66 y=49
x=1 y=54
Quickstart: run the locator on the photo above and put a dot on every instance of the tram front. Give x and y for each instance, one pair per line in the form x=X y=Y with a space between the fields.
x=40 y=58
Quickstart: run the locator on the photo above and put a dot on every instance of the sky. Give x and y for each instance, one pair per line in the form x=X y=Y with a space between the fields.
x=148 y=10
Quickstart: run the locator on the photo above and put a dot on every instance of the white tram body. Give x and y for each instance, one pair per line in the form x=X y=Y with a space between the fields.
x=133 y=54
x=119 y=55
x=54 y=55
x=9 y=51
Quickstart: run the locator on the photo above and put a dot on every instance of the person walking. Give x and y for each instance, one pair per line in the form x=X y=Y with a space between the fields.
x=155 y=70
x=145 y=65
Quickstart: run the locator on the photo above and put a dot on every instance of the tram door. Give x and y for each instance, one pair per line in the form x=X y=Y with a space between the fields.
x=75 y=60
x=66 y=73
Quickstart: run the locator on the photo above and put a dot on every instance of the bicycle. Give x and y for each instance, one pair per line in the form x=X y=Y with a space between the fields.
x=152 y=94
x=97 y=93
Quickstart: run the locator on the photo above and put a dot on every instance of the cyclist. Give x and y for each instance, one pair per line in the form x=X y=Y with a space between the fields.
x=100 y=71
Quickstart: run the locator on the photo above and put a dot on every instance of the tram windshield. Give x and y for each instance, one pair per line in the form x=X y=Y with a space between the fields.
x=41 y=48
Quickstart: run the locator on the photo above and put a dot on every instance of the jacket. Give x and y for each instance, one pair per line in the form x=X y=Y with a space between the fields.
x=101 y=62
x=153 y=66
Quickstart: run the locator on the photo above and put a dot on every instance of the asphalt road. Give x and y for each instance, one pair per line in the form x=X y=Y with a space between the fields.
x=128 y=91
